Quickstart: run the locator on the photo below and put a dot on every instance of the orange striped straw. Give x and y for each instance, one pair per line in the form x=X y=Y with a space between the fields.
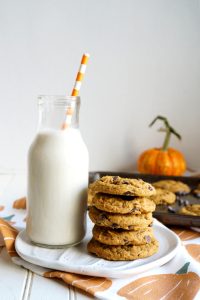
x=76 y=89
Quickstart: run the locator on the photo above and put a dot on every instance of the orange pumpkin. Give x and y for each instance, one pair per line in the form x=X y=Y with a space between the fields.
x=163 y=161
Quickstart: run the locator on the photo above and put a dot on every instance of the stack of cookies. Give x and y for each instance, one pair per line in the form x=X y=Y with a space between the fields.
x=122 y=214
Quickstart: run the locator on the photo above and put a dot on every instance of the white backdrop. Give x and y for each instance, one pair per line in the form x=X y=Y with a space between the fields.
x=145 y=61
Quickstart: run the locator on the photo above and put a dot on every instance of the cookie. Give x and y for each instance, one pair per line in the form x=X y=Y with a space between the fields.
x=193 y=210
x=90 y=195
x=163 y=197
x=122 y=204
x=122 y=186
x=126 y=221
x=110 y=236
x=126 y=252
x=173 y=186
x=196 y=192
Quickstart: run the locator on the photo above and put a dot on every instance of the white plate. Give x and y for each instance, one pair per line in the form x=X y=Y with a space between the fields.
x=77 y=260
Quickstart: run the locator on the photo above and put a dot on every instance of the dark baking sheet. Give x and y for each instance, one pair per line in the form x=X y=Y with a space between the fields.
x=162 y=213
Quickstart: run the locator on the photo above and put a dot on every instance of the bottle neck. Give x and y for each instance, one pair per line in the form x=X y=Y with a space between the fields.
x=52 y=111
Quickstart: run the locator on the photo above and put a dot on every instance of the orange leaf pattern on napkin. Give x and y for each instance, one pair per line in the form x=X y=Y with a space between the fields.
x=1 y=207
x=194 y=251
x=86 y=283
x=163 y=286
x=20 y=203
x=9 y=235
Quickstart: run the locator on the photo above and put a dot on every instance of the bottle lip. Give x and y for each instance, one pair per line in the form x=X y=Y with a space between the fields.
x=57 y=99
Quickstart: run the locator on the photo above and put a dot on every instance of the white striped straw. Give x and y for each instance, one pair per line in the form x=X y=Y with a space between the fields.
x=76 y=89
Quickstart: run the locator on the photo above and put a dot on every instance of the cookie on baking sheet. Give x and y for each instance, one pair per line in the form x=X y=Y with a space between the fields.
x=196 y=191
x=193 y=210
x=173 y=186
x=122 y=204
x=126 y=221
x=110 y=236
x=163 y=197
x=122 y=186
x=126 y=252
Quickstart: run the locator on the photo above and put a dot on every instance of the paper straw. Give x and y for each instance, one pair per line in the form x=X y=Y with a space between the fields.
x=76 y=89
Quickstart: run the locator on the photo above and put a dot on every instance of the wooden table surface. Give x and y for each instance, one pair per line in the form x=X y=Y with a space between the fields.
x=17 y=283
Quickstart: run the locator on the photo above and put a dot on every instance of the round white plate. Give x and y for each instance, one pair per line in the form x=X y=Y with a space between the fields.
x=77 y=260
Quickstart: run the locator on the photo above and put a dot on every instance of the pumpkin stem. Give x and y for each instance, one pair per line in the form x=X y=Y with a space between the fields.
x=184 y=269
x=168 y=129
x=166 y=140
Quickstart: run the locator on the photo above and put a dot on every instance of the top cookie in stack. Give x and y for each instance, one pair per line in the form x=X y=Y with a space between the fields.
x=122 y=186
x=122 y=214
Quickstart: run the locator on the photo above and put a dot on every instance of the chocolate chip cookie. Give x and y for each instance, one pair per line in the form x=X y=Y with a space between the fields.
x=193 y=210
x=174 y=186
x=126 y=252
x=116 y=185
x=90 y=195
x=125 y=221
x=196 y=192
x=163 y=197
x=110 y=236
x=122 y=204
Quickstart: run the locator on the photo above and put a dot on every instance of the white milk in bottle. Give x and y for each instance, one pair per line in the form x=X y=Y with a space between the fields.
x=57 y=177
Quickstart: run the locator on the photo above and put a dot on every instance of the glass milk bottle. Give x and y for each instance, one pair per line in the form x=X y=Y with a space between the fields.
x=57 y=176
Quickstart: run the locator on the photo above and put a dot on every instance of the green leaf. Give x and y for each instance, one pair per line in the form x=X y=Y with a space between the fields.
x=184 y=269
